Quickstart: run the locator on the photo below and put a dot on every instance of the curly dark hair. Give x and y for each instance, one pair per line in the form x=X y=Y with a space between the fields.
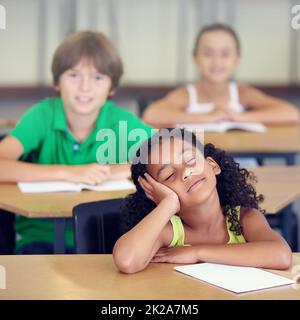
x=234 y=185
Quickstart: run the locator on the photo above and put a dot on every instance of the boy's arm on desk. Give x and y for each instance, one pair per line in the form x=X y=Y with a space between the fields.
x=13 y=170
x=4 y=123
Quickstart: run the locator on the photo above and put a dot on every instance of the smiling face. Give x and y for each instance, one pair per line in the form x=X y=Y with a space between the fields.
x=192 y=177
x=216 y=56
x=84 y=89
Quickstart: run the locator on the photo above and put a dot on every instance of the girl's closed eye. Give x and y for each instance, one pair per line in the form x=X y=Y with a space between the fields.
x=190 y=160
x=169 y=176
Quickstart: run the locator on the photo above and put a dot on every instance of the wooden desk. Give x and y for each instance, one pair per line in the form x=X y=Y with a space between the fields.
x=280 y=185
x=58 y=206
x=96 y=277
x=278 y=138
x=278 y=141
x=49 y=205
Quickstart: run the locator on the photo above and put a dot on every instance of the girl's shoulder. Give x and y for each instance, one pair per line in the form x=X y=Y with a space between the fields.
x=178 y=97
x=254 y=224
x=247 y=214
x=247 y=92
x=166 y=235
x=179 y=92
x=244 y=89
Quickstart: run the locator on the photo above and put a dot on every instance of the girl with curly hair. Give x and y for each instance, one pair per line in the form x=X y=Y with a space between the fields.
x=194 y=204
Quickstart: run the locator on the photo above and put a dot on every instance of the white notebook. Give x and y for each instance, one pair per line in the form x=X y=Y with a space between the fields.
x=234 y=278
x=223 y=126
x=60 y=186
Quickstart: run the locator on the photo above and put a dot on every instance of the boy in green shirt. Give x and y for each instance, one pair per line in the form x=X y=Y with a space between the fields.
x=64 y=135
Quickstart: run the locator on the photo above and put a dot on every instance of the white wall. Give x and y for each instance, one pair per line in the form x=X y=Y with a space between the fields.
x=18 y=43
x=155 y=38
x=264 y=28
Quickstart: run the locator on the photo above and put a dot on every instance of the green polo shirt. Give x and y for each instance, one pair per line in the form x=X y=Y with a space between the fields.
x=44 y=134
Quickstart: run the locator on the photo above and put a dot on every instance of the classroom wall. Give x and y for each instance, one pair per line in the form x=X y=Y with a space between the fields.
x=155 y=37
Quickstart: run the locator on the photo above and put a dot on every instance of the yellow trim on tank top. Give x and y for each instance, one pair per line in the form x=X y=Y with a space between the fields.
x=179 y=234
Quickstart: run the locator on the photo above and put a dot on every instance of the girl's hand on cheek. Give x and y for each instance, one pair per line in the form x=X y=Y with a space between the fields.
x=185 y=254
x=157 y=192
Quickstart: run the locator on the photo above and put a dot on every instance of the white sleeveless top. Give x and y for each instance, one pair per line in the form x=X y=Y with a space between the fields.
x=195 y=106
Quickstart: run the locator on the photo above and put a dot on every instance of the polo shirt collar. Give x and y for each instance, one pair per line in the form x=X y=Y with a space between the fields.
x=60 y=121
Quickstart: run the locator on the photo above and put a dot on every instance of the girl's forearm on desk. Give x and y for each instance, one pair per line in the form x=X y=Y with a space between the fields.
x=134 y=250
x=269 y=116
x=266 y=254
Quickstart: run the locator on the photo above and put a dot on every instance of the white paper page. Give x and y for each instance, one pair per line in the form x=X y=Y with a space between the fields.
x=48 y=186
x=113 y=185
x=222 y=126
x=234 y=278
x=206 y=127
x=248 y=126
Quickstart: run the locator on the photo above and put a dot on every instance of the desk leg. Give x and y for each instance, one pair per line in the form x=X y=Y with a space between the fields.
x=59 y=231
x=287 y=225
x=290 y=159
x=260 y=161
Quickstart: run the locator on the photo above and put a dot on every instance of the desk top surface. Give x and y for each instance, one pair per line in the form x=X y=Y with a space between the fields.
x=96 y=277
x=49 y=204
x=277 y=139
x=280 y=185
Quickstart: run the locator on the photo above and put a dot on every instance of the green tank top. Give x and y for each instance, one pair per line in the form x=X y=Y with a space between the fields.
x=178 y=232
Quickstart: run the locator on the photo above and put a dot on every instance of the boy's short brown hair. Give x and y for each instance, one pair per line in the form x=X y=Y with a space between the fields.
x=94 y=46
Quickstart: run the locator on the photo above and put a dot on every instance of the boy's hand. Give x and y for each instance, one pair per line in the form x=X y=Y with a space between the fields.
x=157 y=192
x=90 y=174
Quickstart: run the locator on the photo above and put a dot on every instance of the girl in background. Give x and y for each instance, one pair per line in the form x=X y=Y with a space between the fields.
x=215 y=96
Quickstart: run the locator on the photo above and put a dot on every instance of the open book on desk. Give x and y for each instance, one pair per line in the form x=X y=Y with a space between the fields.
x=223 y=126
x=63 y=186
x=234 y=278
